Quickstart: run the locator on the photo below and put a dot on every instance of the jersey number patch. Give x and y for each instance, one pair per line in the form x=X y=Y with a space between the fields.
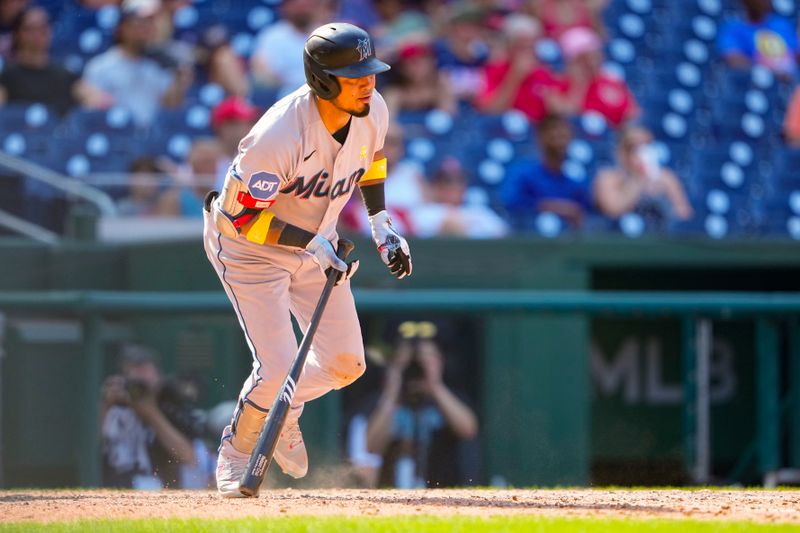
x=263 y=185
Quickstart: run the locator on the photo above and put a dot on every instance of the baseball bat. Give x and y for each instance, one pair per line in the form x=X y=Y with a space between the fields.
x=271 y=432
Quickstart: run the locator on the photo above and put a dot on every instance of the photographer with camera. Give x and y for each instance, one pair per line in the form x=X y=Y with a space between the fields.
x=419 y=423
x=150 y=434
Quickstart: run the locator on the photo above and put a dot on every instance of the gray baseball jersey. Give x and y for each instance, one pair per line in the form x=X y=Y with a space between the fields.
x=290 y=164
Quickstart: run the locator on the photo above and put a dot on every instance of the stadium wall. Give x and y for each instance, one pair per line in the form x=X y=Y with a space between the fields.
x=564 y=399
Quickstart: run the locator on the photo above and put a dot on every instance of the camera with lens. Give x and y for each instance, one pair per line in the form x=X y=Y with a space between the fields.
x=137 y=388
x=414 y=333
x=414 y=369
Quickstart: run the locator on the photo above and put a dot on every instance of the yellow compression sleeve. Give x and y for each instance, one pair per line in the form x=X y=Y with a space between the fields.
x=376 y=173
x=269 y=229
x=259 y=230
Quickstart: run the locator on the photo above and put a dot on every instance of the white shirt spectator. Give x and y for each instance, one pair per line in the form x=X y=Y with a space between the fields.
x=450 y=213
x=405 y=184
x=471 y=221
x=277 y=57
x=137 y=84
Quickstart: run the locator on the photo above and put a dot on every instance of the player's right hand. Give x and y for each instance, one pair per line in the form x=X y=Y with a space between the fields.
x=324 y=255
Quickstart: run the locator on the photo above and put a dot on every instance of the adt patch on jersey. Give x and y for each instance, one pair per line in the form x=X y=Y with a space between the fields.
x=264 y=186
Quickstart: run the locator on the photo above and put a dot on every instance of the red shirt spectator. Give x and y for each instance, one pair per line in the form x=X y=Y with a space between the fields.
x=517 y=80
x=558 y=16
x=589 y=88
x=610 y=97
x=530 y=94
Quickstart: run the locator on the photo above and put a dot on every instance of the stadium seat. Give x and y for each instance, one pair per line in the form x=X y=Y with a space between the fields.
x=27 y=118
x=192 y=120
x=787 y=167
x=719 y=127
x=115 y=121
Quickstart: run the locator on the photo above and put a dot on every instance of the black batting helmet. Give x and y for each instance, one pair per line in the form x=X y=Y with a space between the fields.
x=338 y=49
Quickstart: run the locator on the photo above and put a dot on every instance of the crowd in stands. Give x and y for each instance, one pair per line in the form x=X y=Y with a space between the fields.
x=542 y=116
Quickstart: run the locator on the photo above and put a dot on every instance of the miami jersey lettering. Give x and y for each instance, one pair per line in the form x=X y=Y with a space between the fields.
x=319 y=186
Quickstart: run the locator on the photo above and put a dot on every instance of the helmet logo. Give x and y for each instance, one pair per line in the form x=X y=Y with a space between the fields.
x=364 y=48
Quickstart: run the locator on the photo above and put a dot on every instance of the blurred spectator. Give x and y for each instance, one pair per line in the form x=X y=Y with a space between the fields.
x=277 y=57
x=558 y=16
x=418 y=85
x=143 y=188
x=359 y=12
x=462 y=51
x=151 y=436
x=9 y=11
x=405 y=183
x=30 y=75
x=185 y=199
x=166 y=48
x=221 y=63
x=420 y=425
x=399 y=24
x=132 y=79
x=639 y=184
x=764 y=38
x=447 y=213
x=517 y=80
x=231 y=121
x=589 y=88
x=791 y=123
x=532 y=187
x=97 y=4
x=405 y=188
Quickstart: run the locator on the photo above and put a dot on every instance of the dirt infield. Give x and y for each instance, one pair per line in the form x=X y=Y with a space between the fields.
x=66 y=505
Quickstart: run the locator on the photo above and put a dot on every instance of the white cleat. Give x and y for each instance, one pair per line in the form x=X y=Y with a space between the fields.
x=231 y=465
x=290 y=452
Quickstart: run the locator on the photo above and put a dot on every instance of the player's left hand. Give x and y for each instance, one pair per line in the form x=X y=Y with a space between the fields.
x=392 y=247
x=324 y=255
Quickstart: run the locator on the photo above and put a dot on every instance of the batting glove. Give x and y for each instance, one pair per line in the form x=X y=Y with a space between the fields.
x=324 y=255
x=392 y=247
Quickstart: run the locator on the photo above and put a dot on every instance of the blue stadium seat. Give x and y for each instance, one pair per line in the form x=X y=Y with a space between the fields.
x=786 y=8
x=33 y=146
x=721 y=127
x=263 y=97
x=81 y=155
x=787 y=167
x=115 y=121
x=193 y=120
x=27 y=118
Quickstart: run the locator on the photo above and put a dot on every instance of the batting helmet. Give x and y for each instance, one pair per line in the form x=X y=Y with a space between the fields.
x=338 y=49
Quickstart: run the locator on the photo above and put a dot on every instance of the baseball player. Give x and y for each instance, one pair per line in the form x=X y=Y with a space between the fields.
x=268 y=235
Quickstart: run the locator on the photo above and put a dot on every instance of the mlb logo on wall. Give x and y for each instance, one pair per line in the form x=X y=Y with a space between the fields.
x=264 y=186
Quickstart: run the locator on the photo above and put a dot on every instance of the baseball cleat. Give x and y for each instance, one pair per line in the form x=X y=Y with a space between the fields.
x=231 y=465
x=290 y=452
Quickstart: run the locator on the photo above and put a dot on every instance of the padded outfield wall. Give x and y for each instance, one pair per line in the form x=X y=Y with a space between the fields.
x=562 y=399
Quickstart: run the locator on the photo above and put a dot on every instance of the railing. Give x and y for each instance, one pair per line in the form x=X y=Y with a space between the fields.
x=695 y=310
x=105 y=205
x=28 y=229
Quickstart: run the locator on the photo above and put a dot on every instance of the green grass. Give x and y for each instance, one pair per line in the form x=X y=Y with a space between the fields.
x=514 y=524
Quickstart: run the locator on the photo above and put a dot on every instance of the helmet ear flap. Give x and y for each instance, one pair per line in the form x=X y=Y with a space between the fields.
x=325 y=85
